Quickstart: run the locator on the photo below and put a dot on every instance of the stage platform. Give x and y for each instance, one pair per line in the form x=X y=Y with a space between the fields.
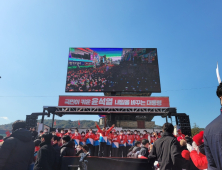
x=108 y=163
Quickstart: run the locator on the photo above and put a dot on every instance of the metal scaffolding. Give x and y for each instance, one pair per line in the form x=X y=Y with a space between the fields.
x=63 y=110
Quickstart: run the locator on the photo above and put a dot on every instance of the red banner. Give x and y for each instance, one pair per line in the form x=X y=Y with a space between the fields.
x=114 y=101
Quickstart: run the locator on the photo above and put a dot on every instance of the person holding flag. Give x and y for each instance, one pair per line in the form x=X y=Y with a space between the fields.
x=76 y=137
x=89 y=141
x=103 y=139
x=122 y=144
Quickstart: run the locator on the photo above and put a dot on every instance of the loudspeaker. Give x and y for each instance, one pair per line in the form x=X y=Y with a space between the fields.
x=184 y=122
x=31 y=121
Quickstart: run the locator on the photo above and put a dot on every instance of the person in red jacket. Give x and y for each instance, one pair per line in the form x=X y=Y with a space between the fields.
x=197 y=152
x=96 y=143
x=60 y=134
x=130 y=139
x=180 y=135
x=69 y=133
x=83 y=139
x=136 y=136
x=76 y=137
x=115 y=144
x=89 y=141
x=145 y=135
x=122 y=144
x=154 y=137
x=141 y=137
x=103 y=140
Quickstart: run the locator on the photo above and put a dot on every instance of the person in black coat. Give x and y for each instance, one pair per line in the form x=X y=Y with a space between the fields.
x=17 y=151
x=55 y=145
x=46 y=155
x=212 y=138
x=40 y=135
x=144 y=148
x=68 y=147
x=166 y=150
x=34 y=133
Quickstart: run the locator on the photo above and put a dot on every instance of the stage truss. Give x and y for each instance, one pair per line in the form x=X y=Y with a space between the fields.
x=60 y=110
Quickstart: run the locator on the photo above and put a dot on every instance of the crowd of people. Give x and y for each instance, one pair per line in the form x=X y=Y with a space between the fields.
x=172 y=152
x=123 y=77
x=47 y=149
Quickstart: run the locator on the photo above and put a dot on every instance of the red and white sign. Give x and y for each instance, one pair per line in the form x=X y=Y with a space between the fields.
x=114 y=101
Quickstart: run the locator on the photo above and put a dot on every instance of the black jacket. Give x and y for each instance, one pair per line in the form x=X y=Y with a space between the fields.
x=79 y=152
x=183 y=148
x=144 y=151
x=57 y=156
x=213 y=143
x=68 y=149
x=166 y=150
x=17 y=151
x=45 y=157
x=34 y=135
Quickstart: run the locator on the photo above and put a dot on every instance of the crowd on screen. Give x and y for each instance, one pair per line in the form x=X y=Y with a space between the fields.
x=114 y=77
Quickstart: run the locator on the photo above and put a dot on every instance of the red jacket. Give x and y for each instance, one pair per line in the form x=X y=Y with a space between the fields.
x=37 y=148
x=97 y=136
x=70 y=134
x=103 y=134
x=123 y=139
x=181 y=135
x=60 y=134
x=137 y=137
x=199 y=160
x=115 y=138
x=131 y=138
x=88 y=135
x=78 y=136
x=83 y=139
x=145 y=136
x=153 y=139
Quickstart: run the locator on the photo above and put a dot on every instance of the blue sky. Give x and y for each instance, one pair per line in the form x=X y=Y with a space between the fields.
x=35 y=37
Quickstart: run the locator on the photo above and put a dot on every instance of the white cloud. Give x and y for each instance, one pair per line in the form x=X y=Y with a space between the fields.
x=6 y=118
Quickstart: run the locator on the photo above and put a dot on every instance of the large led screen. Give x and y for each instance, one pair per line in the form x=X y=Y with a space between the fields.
x=113 y=70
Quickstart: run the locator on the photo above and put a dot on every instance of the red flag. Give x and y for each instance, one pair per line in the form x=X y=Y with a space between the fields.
x=54 y=122
x=79 y=123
